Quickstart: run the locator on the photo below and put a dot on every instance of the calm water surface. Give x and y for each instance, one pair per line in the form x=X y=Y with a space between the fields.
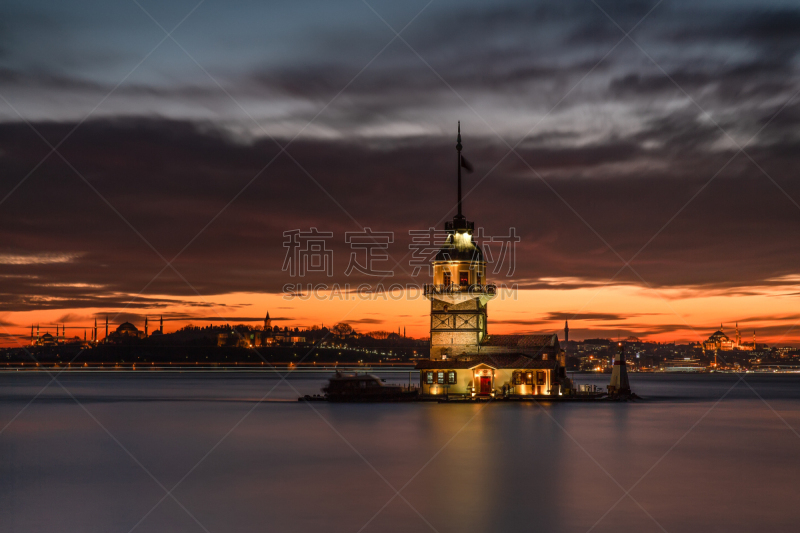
x=702 y=453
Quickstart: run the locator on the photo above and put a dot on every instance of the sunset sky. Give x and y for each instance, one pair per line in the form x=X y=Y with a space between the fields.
x=152 y=156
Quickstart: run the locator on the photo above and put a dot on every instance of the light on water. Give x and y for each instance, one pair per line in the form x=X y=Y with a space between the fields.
x=702 y=453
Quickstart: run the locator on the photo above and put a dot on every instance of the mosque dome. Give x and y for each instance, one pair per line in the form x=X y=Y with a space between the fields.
x=126 y=328
x=719 y=334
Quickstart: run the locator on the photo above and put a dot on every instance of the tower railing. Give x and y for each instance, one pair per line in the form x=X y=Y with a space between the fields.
x=431 y=289
x=462 y=224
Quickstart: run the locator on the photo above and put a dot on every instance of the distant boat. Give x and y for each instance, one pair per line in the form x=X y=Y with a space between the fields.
x=365 y=388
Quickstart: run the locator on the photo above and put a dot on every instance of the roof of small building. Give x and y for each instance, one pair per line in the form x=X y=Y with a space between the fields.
x=505 y=360
x=522 y=341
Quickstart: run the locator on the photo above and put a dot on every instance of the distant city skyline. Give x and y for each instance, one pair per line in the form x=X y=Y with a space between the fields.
x=738 y=335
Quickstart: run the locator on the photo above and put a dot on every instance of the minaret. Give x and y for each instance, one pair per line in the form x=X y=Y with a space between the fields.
x=738 y=336
x=94 y=333
x=106 y=337
x=459 y=293
x=755 y=346
x=566 y=331
x=161 y=324
x=145 y=325
x=619 y=375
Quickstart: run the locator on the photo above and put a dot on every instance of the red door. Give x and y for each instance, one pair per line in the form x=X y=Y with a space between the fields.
x=486 y=385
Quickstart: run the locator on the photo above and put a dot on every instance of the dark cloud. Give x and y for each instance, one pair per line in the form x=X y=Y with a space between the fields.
x=513 y=322
x=727 y=84
x=620 y=156
x=366 y=321
x=506 y=60
x=771 y=28
x=19 y=78
x=170 y=179
x=588 y=316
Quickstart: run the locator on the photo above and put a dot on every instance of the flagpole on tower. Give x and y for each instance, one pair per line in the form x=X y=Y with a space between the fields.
x=458 y=149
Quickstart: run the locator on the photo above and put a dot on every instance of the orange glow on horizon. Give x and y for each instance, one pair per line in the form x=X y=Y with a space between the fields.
x=681 y=315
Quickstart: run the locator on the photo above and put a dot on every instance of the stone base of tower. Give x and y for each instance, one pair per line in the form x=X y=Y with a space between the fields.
x=458 y=326
x=447 y=345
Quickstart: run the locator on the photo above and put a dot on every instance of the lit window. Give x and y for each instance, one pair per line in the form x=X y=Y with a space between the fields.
x=440 y=378
x=429 y=377
x=451 y=378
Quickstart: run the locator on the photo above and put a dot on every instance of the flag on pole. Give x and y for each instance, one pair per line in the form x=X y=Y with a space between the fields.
x=466 y=164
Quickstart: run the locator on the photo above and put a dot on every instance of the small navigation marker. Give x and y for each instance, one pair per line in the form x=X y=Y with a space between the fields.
x=620 y=387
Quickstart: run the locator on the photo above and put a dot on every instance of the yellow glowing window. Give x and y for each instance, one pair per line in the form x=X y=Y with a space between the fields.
x=440 y=378
x=451 y=378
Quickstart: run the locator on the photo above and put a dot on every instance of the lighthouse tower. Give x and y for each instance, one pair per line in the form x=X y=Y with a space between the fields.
x=620 y=386
x=459 y=293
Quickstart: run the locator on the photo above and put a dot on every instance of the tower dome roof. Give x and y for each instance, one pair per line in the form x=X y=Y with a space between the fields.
x=459 y=247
